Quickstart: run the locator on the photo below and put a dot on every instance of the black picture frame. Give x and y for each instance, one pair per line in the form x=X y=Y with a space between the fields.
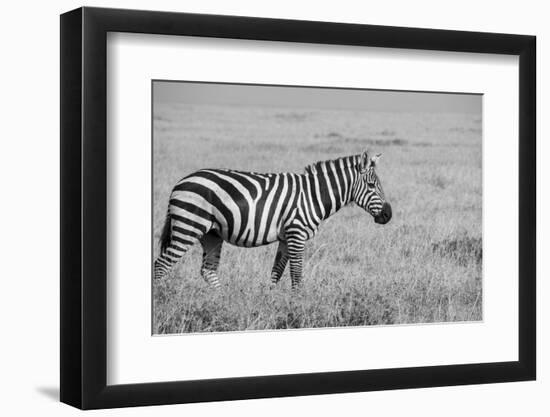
x=84 y=207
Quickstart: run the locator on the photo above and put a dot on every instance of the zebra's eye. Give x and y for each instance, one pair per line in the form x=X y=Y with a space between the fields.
x=368 y=182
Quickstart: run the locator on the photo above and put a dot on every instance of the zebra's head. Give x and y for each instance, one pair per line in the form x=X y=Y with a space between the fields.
x=368 y=192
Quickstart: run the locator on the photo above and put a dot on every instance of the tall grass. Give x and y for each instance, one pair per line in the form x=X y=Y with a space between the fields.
x=424 y=266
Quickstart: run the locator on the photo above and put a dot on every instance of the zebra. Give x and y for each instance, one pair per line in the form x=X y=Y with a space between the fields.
x=250 y=209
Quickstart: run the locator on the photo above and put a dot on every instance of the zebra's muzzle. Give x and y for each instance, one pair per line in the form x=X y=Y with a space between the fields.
x=385 y=214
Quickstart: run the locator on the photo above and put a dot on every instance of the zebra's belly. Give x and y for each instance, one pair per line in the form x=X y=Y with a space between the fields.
x=250 y=237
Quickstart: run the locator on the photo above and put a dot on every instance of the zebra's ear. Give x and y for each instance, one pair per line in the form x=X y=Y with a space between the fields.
x=364 y=162
x=375 y=159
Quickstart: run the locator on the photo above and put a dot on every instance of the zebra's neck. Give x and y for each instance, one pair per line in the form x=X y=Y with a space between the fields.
x=329 y=186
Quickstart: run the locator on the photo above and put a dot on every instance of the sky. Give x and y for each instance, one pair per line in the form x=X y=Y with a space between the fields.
x=314 y=97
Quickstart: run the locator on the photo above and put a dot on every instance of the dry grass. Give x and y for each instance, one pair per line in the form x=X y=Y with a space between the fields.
x=424 y=266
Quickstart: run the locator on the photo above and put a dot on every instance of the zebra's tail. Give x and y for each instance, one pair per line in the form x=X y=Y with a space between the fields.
x=165 y=236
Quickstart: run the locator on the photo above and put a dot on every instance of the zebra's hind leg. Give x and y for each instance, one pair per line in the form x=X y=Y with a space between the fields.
x=281 y=260
x=212 y=247
x=296 y=246
x=169 y=256
x=176 y=238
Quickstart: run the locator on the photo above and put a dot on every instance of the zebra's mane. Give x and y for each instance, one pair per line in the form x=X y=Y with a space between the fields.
x=353 y=160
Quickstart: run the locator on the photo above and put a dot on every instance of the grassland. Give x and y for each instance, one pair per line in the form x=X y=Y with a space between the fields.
x=424 y=266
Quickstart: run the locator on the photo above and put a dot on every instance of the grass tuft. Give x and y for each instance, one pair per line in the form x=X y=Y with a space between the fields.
x=463 y=249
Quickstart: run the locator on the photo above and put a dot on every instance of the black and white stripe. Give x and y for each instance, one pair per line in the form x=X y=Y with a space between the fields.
x=250 y=209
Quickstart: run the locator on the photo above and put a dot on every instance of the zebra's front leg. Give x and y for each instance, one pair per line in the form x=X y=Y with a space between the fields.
x=296 y=245
x=281 y=260
x=212 y=249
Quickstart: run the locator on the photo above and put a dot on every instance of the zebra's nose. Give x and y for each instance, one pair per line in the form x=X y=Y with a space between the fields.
x=385 y=214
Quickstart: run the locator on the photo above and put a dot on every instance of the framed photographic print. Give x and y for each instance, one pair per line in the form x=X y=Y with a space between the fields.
x=258 y=207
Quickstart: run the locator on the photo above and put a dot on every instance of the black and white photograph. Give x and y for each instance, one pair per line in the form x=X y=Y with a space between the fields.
x=301 y=207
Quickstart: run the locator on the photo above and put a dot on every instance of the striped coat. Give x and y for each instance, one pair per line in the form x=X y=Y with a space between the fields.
x=249 y=209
